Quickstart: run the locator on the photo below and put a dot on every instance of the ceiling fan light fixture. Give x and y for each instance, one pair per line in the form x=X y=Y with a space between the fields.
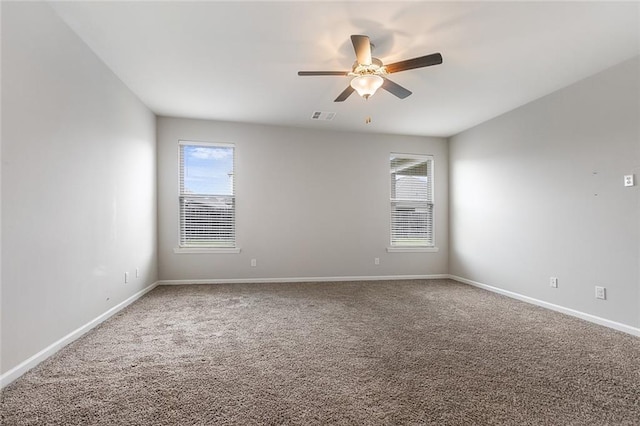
x=369 y=73
x=366 y=85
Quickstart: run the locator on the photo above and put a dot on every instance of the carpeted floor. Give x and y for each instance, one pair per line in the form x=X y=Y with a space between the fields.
x=367 y=353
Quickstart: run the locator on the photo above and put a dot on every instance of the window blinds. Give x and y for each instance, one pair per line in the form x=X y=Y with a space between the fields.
x=411 y=200
x=207 y=195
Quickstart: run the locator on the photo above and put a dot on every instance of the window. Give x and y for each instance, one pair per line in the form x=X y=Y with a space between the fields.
x=411 y=201
x=207 y=195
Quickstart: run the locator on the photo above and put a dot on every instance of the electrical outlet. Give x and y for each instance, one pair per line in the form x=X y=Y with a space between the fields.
x=601 y=293
x=628 y=180
x=137 y=272
x=376 y=261
x=553 y=282
x=254 y=262
x=126 y=277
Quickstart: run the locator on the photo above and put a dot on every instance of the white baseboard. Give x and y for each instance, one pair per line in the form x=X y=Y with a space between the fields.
x=28 y=364
x=36 y=359
x=582 y=315
x=301 y=279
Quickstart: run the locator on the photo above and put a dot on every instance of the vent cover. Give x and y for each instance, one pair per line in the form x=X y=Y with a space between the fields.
x=323 y=115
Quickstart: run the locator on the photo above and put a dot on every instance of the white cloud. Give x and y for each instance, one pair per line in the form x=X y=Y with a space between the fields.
x=205 y=153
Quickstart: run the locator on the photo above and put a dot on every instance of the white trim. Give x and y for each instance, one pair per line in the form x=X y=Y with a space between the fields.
x=205 y=143
x=431 y=201
x=412 y=156
x=582 y=315
x=192 y=250
x=201 y=250
x=408 y=249
x=36 y=359
x=301 y=279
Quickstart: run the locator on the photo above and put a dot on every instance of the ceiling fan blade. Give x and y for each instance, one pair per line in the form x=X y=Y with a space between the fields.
x=307 y=73
x=409 y=64
x=345 y=94
x=362 y=46
x=395 y=89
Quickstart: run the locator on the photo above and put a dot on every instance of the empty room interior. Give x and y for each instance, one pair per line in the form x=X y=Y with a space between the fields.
x=320 y=213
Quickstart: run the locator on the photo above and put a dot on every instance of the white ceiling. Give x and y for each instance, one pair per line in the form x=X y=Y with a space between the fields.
x=238 y=61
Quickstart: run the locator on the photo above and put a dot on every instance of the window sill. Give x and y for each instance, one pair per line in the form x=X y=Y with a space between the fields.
x=202 y=250
x=412 y=249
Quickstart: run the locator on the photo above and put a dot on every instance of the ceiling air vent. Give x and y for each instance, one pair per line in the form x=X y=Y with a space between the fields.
x=322 y=115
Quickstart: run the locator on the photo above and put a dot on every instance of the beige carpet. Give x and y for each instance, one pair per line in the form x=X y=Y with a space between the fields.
x=366 y=353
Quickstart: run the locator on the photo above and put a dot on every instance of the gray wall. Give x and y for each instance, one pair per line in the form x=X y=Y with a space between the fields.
x=78 y=184
x=538 y=192
x=309 y=203
x=79 y=194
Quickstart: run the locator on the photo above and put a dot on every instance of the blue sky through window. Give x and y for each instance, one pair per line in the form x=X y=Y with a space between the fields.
x=208 y=170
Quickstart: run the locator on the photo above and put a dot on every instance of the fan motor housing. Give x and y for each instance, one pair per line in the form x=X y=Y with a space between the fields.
x=376 y=68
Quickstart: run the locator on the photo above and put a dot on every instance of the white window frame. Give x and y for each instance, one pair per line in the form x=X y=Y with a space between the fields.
x=204 y=248
x=429 y=199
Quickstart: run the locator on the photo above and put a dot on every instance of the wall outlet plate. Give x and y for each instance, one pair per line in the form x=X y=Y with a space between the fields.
x=601 y=293
x=553 y=282
x=629 y=180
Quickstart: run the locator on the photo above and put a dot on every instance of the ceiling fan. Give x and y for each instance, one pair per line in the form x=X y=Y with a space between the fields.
x=369 y=73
